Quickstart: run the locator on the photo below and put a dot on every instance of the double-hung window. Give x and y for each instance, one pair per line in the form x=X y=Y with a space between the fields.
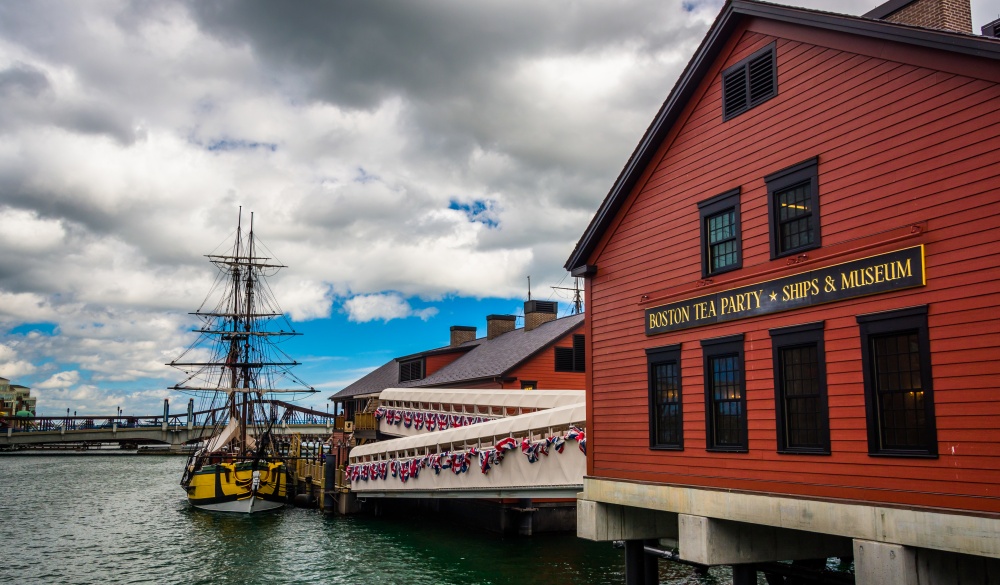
x=665 y=412
x=899 y=399
x=801 y=411
x=721 y=250
x=793 y=208
x=725 y=394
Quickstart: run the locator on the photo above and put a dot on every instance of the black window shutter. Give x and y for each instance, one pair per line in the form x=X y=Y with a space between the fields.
x=564 y=359
x=761 y=78
x=734 y=90
x=411 y=370
x=579 y=354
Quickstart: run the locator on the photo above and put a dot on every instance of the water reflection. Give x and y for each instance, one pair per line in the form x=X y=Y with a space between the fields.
x=86 y=519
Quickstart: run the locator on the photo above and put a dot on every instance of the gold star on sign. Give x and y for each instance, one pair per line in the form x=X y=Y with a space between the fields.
x=774 y=296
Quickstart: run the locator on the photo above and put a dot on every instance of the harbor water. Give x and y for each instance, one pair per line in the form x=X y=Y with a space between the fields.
x=122 y=518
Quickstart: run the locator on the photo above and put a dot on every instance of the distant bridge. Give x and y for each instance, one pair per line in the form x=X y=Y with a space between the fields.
x=510 y=444
x=174 y=430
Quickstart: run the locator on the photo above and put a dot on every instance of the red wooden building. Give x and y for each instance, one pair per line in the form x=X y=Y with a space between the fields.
x=793 y=296
x=547 y=353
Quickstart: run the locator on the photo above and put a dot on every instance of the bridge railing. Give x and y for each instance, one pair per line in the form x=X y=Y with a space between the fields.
x=82 y=423
x=290 y=414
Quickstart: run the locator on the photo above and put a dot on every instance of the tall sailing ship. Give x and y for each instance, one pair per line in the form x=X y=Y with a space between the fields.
x=236 y=366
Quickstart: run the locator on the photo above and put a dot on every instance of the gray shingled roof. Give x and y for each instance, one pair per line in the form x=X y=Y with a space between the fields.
x=490 y=358
x=377 y=380
x=496 y=356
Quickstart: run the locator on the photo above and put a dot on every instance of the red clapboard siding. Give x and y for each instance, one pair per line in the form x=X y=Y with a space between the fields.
x=433 y=363
x=898 y=144
x=541 y=368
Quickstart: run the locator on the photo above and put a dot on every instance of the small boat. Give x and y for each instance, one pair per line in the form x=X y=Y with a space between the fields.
x=236 y=366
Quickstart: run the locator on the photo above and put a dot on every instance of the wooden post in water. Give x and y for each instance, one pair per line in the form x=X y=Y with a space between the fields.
x=329 y=484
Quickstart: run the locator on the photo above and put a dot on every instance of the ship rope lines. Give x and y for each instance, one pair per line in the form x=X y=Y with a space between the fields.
x=234 y=365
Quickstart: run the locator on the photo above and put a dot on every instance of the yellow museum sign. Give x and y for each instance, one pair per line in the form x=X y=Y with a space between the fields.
x=876 y=274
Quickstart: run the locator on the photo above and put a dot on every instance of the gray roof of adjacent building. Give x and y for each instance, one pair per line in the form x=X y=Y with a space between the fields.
x=483 y=358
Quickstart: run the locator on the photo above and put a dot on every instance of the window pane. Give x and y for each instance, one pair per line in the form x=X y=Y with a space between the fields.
x=720 y=227
x=899 y=391
x=727 y=404
x=800 y=386
x=722 y=248
x=666 y=386
x=794 y=217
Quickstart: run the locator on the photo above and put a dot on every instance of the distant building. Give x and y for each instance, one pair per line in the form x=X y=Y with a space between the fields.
x=546 y=353
x=792 y=293
x=15 y=398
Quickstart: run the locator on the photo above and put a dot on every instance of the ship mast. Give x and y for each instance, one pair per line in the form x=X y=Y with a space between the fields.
x=248 y=322
x=235 y=355
x=245 y=361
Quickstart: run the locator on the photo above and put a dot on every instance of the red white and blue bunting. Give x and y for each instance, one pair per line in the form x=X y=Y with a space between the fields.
x=418 y=419
x=459 y=462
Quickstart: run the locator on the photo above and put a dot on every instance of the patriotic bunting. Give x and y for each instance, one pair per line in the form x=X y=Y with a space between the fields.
x=431 y=420
x=460 y=461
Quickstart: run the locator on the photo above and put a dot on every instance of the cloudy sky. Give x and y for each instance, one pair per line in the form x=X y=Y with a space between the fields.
x=411 y=162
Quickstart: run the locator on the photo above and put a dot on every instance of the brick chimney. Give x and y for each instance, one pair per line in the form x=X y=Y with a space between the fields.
x=461 y=334
x=497 y=325
x=538 y=312
x=952 y=15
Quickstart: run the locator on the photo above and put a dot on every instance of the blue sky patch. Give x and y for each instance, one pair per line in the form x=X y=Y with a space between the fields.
x=479 y=210
x=26 y=328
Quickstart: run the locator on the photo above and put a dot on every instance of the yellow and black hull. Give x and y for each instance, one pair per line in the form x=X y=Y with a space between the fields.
x=230 y=487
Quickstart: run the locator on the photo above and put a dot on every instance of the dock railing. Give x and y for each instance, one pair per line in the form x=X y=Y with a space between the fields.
x=365 y=421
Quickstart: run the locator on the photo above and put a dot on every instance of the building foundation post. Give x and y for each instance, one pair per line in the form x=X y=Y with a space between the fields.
x=884 y=563
x=640 y=568
x=744 y=574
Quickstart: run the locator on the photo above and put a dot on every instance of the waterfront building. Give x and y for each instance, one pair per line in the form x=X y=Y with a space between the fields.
x=547 y=353
x=16 y=398
x=792 y=293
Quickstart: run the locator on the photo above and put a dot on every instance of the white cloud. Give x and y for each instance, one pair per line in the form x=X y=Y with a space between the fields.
x=11 y=366
x=131 y=132
x=61 y=380
x=384 y=307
